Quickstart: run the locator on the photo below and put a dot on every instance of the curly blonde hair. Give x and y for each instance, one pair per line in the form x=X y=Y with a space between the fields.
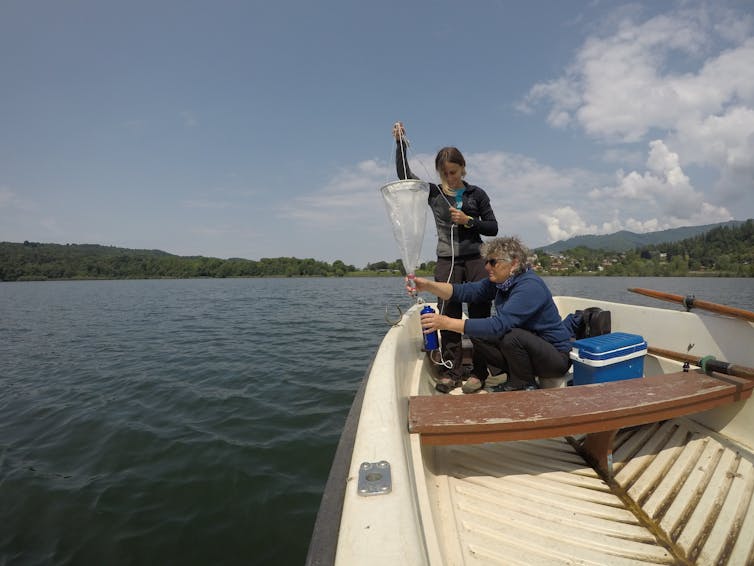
x=507 y=248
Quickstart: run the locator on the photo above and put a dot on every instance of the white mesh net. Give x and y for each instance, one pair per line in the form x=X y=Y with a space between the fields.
x=406 y=203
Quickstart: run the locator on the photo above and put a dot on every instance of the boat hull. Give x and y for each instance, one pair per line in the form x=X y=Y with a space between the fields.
x=681 y=491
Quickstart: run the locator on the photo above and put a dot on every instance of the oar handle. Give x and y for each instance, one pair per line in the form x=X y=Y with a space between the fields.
x=741 y=371
x=708 y=362
x=691 y=302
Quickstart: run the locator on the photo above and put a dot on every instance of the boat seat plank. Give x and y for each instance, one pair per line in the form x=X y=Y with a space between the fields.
x=597 y=410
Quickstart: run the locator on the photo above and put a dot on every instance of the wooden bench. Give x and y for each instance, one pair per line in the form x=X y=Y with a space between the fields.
x=597 y=410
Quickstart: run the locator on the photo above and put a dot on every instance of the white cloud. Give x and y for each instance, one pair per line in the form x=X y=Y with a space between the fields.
x=659 y=198
x=619 y=86
x=519 y=188
x=725 y=142
x=530 y=199
x=349 y=198
x=563 y=223
x=686 y=79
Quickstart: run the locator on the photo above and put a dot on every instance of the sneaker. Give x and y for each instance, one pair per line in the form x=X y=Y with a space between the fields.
x=446 y=384
x=505 y=386
x=472 y=385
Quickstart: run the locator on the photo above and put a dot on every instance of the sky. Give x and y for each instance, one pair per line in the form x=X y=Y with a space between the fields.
x=252 y=129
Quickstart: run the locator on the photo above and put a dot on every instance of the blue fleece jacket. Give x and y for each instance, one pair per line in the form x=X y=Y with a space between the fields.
x=527 y=304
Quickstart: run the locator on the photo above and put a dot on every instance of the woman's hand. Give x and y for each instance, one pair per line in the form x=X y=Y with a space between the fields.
x=433 y=321
x=414 y=284
x=458 y=217
x=442 y=290
x=399 y=131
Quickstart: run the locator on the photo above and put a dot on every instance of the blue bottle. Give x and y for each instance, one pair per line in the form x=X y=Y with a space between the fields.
x=431 y=341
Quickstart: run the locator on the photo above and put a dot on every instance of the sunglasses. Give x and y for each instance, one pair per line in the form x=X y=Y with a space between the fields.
x=493 y=261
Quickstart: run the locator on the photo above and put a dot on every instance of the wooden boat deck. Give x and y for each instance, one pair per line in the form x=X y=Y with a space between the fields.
x=680 y=495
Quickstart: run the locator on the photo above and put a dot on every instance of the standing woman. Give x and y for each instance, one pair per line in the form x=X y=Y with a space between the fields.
x=462 y=215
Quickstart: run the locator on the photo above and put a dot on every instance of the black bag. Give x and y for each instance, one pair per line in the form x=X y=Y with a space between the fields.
x=592 y=321
x=595 y=322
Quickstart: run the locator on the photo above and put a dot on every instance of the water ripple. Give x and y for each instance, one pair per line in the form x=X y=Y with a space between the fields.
x=182 y=422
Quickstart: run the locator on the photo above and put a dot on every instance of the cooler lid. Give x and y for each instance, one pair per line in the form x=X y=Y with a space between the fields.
x=609 y=345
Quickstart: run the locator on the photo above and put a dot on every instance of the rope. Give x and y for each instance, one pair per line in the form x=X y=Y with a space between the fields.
x=402 y=138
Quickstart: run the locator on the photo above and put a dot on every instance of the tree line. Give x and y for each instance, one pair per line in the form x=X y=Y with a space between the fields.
x=34 y=261
x=723 y=251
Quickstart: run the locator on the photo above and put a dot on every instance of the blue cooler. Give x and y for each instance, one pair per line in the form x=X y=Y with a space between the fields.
x=609 y=357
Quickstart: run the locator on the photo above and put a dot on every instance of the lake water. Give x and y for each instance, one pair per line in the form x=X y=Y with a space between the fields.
x=194 y=421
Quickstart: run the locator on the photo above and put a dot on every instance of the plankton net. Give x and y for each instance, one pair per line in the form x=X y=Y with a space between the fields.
x=406 y=203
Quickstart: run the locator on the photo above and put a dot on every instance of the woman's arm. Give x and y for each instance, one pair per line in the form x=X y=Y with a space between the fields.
x=435 y=321
x=401 y=153
x=487 y=224
x=442 y=290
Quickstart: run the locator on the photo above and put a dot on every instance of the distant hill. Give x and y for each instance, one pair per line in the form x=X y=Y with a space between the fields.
x=34 y=261
x=624 y=240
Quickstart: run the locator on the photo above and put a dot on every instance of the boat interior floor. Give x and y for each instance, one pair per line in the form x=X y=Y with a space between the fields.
x=680 y=495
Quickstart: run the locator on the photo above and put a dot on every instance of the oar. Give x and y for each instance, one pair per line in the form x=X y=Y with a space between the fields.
x=690 y=302
x=707 y=363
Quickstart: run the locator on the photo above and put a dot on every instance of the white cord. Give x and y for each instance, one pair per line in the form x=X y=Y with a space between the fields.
x=448 y=363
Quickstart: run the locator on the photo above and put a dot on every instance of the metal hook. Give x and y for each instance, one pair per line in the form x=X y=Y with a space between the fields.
x=396 y=321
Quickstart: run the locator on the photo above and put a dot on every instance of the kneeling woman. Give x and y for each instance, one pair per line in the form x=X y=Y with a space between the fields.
x=525 y=336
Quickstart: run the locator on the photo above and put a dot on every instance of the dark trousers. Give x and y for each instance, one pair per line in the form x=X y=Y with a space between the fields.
x=520 y=354
x=465 y=269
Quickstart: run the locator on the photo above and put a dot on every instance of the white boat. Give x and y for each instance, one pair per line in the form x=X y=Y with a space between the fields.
x=679 y=491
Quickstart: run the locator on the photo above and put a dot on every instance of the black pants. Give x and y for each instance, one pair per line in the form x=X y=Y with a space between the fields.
x=465 y=269
x=520 y=354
